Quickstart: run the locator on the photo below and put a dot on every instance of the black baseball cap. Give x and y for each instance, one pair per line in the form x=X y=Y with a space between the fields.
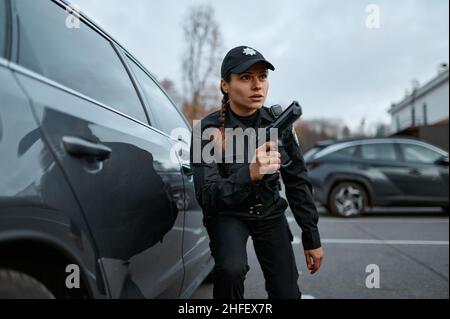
x=241 y=59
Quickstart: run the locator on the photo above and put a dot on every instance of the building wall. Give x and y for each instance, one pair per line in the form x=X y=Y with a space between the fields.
x=437 y=101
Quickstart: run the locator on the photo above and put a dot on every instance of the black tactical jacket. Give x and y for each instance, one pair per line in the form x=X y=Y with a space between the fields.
x=226 y=188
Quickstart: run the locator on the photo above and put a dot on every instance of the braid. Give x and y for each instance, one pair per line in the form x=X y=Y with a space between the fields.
x=223 y=110
x=223 y=117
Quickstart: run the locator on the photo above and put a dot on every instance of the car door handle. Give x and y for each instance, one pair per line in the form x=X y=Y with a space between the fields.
x=187 y=169
x=78 y=147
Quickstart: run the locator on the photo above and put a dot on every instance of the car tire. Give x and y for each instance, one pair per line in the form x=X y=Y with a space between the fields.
x=348 y=199
x=18 y=285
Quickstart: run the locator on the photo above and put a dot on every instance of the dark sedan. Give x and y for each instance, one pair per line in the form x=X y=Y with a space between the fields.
x=349 y=176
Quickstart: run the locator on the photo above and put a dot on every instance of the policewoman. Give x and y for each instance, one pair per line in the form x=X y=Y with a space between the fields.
x=242 y=199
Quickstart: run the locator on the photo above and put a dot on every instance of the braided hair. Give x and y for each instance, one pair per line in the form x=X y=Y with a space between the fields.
x=223 y=112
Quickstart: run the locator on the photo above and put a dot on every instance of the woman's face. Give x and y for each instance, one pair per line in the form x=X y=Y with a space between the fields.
x=247 y=91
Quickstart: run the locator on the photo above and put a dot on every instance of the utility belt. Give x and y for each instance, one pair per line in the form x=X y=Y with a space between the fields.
x=261 y=208
x=264 y=199
x=255 y=211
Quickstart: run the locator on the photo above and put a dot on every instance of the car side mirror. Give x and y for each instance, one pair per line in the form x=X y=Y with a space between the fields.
x=443 y=161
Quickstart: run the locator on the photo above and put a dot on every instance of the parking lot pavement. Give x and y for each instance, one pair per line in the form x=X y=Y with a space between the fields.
x=410 y=248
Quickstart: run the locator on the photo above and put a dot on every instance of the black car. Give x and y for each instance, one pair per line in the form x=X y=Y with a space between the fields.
x=349 y=176
x=93 y=201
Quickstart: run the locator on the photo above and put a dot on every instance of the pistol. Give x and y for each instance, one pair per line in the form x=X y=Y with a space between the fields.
x=284 y=122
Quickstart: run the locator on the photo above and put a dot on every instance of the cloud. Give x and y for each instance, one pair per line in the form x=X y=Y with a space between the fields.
x=325 y=55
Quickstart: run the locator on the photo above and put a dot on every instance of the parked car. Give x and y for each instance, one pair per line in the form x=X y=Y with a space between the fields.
x=88 y=186
x=349 y=176
x=324 y=144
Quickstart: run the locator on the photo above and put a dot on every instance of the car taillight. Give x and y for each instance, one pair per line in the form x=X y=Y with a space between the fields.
x=313 y=165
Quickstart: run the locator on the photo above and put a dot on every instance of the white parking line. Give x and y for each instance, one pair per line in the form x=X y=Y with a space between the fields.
x=387 y=220
x=298 y=241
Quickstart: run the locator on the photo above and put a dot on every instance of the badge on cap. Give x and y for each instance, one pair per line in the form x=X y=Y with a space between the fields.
x=249 y=51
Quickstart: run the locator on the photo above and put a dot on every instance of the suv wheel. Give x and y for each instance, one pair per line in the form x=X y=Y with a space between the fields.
x=17 y=285
x=348 y=199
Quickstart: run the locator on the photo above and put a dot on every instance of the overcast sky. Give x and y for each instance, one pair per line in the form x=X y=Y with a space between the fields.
x=325 y=55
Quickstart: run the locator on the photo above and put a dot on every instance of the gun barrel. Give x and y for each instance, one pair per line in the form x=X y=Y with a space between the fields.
x=286 y=119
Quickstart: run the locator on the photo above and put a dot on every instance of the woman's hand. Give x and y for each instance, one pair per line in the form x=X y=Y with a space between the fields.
x=314 y=259
x=266 y=161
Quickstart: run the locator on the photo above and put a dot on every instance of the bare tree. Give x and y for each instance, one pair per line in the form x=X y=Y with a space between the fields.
x=346 y=133
x=312 y=131
x=201 y=60
x=170 y=88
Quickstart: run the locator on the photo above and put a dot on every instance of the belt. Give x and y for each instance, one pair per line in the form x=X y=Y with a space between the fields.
x=257 y=209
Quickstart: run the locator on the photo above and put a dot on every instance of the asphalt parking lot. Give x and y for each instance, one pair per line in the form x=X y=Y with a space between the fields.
x=410 y=247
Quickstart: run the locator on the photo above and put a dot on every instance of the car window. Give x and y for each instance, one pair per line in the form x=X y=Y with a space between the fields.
x=310 y=154
x=347 y=152
x=78 y=58
x=162 y=108
x=384 y=152
x=419 y=154
x=3 y=28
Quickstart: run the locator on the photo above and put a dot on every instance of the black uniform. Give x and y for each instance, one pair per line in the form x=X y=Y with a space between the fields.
x=235 y=208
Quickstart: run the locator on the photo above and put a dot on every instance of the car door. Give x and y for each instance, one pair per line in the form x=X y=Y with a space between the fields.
x=380 y=162
x=427 y=178
x=196 y=253
x=119 y=167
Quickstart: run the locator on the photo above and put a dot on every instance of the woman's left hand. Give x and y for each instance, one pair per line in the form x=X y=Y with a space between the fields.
x=314 y=259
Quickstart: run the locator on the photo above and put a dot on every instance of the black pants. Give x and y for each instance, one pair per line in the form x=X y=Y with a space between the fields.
x=272 y=241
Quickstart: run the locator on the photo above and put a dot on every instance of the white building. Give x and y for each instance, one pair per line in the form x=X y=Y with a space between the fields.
x=424 y=113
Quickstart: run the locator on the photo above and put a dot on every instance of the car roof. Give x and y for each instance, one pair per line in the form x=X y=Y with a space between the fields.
x=326 y=143
x=329 y=147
